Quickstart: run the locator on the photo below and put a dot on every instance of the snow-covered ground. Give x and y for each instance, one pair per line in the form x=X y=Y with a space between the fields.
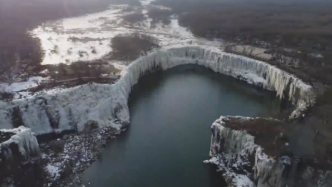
x=19 y=89
x=255 y=51
x=53 y=171
x=146 y=2
x=77 y=151
x=17 y=86
x=88 y=37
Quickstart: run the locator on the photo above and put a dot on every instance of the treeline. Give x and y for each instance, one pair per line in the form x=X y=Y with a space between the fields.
x=130 y=46
x=292 y=23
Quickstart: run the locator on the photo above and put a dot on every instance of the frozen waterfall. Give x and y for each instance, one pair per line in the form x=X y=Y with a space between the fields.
x=233 y=149
x=19 y=143
x=107 y=104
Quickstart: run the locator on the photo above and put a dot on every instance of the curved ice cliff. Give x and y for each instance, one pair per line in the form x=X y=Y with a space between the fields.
x=107 y=104
x=19 y=143
x=244 y=163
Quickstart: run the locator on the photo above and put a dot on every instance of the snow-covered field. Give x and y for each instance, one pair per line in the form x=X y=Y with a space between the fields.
x=88 y=37
x=17 y=86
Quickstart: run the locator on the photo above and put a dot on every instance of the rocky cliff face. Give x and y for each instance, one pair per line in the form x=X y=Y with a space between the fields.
x=106 y=105
x=245 y=163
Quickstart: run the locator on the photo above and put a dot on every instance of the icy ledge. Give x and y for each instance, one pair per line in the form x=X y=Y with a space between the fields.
x=106 y=105
x=245 y=164
x=19 y=143
x=235 y=153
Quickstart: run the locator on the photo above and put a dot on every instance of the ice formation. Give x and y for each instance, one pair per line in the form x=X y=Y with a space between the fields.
x=107 y=104
x=20 y=143
x=235 y=149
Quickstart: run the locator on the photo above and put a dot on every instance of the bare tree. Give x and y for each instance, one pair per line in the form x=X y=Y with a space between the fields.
x=4 y=68
x=97 y=70
x=62 y=69
x=250 y=50
x=54 y=75
x=7 y=66
x=229 y=47
x=79 y=68
x=293 y=61
x=244 y=50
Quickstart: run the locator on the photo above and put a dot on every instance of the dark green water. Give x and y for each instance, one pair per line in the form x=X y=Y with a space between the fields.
x=169 y=136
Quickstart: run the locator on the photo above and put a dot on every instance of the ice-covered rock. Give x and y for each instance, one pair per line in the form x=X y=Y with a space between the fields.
x=309 y=178
x=325 y=179
x=237 y=154
x=106 y=105
x=19 y=143
x=270 y=171
x=238 y=148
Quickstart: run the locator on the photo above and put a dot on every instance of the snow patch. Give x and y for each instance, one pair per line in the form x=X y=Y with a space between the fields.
x=17 y=86
x=79 y=38
x=53 y=171
x=233 y=179
x=181 y=31
x=87 y=37
x=146 y=2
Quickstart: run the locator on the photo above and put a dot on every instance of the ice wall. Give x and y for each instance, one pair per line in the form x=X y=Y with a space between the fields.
x=107 y=104
x=20 y=143
x=227 y=140
x=236 y=151
x=252 y=71
x=269 y=171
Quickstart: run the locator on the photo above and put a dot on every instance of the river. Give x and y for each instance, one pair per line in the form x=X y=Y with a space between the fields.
x=169 y=136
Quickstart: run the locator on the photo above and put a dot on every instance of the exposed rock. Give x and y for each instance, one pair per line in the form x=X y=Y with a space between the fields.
x=56 y=163
x=68 y=157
